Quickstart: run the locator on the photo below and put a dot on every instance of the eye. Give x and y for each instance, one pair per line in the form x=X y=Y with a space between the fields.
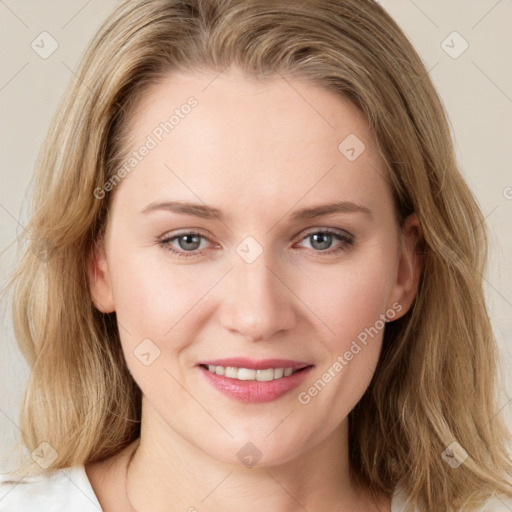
x=322 y=239
x=186 y=244
x=189 y=243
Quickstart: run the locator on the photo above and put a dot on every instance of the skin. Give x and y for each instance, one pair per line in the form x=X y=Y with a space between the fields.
x=258 y=151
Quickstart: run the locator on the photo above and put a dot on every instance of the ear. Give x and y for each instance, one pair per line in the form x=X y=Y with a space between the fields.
x=99 y=278
x=409 y=267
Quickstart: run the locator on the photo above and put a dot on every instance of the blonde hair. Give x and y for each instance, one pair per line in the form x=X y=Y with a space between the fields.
x=82 y=400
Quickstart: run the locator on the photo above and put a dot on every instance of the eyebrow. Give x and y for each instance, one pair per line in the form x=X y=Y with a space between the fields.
x=209 y=212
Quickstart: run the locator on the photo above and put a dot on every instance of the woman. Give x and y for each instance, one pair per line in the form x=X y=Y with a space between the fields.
x=254 y=277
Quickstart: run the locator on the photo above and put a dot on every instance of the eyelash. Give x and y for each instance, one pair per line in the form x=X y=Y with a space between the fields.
x=346 y=238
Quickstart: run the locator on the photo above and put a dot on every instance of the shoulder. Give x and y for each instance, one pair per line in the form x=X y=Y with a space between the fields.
x=494 y=504
x=498 y=504
x=63 y=490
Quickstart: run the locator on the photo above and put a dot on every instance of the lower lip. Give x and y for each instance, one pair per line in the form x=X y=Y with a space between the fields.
x=254 y=392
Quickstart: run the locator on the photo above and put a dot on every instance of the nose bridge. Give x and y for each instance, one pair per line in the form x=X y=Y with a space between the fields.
x=259 y=304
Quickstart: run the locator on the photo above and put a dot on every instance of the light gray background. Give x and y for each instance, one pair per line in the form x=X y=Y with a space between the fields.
x=476 y=88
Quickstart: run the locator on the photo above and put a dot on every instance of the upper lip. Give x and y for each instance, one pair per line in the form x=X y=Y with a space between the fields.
x=256 y=364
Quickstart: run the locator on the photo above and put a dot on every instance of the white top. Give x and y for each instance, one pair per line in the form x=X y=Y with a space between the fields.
x=69 y=490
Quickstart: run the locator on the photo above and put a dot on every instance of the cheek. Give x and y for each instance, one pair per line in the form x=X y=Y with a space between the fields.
x=352 y=307
x=158 y=300
x=156 y=309
x=150 y=291
x=350 y=301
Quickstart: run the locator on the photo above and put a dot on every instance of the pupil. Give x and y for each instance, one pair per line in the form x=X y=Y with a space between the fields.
x=326 y=242
x=186 y=239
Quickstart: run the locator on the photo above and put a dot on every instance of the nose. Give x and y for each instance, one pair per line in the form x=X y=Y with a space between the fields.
x=257 y=302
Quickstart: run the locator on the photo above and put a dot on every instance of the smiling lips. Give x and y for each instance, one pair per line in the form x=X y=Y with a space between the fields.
x=253 y=381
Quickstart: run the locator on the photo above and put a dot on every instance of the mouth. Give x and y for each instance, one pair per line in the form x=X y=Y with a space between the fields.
x=251 y=381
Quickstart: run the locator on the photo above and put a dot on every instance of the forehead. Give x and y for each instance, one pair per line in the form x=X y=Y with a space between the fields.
x=281 y=110
x=214 y=136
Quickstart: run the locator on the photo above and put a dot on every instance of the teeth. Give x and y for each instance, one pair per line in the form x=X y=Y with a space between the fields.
x=231 y=372
x=246 y=374
x=265 y=375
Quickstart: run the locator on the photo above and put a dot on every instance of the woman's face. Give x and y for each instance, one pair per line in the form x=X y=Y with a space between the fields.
x=288 y=258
